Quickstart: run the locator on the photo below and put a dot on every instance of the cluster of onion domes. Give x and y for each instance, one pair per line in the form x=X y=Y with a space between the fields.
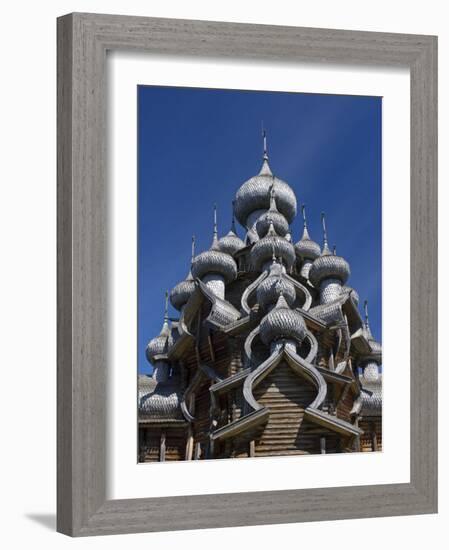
x=160 y=344
x=254 y=194
x=273 y=286
x=266 y=205
x=282 y=323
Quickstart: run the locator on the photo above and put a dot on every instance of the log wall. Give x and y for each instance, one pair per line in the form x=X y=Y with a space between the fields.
x=150 y=444
x=286 y=396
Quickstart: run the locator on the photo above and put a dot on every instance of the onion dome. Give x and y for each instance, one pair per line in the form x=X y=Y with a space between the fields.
x=162 y=403
x=262 y=251
x=160 y=344
x=305 y=248
x=231 y=243
x=273 y=286
x=254 y=194
x=280 y=224
x=181 y=293
x=214 y=260
x=282 y=322
x=328 y=265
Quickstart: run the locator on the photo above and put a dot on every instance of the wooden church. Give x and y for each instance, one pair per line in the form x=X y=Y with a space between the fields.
x=269 y=355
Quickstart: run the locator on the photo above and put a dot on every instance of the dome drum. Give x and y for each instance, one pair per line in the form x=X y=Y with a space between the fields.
x=330 y=290
x=216 y=284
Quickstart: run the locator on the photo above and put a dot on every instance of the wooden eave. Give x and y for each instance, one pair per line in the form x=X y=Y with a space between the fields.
x=180 y=346
x=231 y=382
x=334 y=377
x=241 y=425
x=331 y=422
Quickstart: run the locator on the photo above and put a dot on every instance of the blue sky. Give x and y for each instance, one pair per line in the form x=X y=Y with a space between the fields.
x=197 y=146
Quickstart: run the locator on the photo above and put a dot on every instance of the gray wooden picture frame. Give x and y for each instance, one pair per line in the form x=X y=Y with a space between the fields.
x=83 y=40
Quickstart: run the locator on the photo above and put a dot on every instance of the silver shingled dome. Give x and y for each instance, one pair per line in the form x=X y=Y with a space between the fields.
x=158 y=345
x=160 y=401
x=273 y=286
x=279 y=221
x=230 y=243
x=307 y=249
x=282 y=322
x=181 y=293
x=214 y=261
x=329 y=267
x=254 y=194
x=273 y=216
x=270 y=245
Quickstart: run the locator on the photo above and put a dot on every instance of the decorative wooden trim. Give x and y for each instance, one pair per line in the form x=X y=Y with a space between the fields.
x=83 y=40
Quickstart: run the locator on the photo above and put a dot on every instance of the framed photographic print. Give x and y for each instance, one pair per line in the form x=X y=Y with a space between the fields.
x=246 y=274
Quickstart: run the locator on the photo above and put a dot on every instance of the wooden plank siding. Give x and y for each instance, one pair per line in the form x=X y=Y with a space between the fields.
x=286 y=396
